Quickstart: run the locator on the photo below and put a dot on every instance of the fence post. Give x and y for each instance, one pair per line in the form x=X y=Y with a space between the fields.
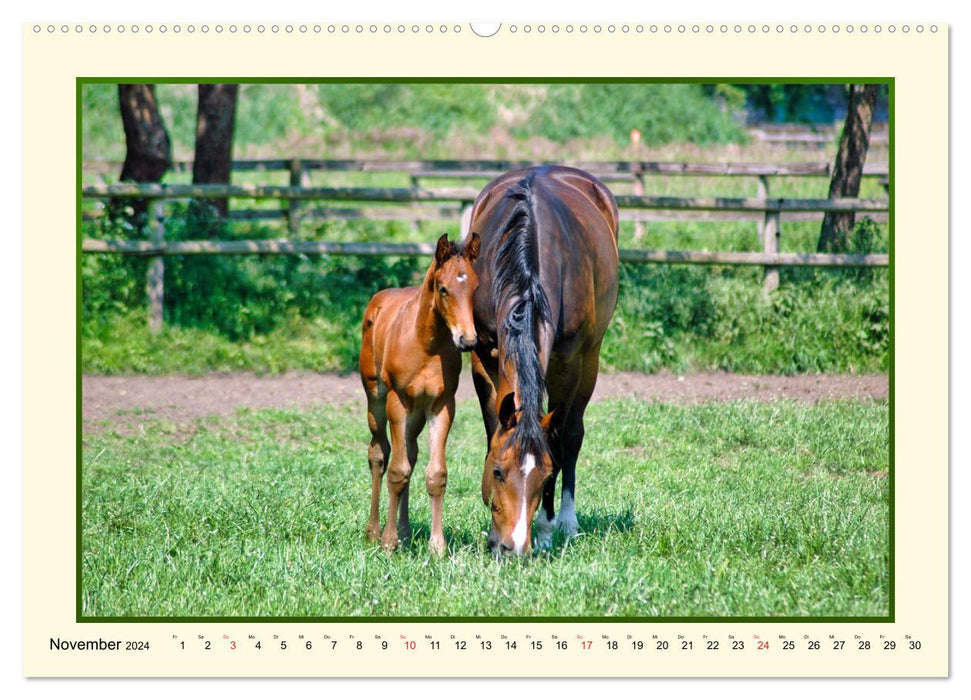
x=416 y=224
x=639 y=228
x=762 y=193
x=155 y=278
x=770 y=245
x=298 y=178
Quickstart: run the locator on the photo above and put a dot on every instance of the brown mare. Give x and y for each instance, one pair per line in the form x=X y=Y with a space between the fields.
x=410 y=364
x=547 y=289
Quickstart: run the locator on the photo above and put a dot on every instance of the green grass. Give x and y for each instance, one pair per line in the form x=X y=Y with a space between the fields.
x=741 y=509
x=423 y=120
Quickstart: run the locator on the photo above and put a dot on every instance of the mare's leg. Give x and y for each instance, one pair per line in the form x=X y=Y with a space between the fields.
x=378 y=452
x=560 y=401
x=563 y=382
x=485 y=371
x=440 y=417
x=572 y=441
x=484 y=378
x=545 y=515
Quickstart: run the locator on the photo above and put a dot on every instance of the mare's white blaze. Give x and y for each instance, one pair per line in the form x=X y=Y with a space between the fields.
x=566 y=519
x=528 y=465
x=461 y=278
x=521 y=531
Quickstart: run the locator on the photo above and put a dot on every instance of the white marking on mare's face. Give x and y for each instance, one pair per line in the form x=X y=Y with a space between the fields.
x=461 y=278
x=528 y=465
x=521 y=532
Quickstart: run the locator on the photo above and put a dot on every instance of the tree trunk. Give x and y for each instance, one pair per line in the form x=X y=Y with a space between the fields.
x=214 y=138
x=149 y=151
x=848 y=170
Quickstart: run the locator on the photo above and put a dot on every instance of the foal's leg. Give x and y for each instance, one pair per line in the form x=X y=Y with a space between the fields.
x=399 y=471
x=413 y=427
x=378 y=452
x=440 y=417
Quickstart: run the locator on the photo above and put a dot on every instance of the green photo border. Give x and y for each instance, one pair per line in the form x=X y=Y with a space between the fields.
x=81 y=618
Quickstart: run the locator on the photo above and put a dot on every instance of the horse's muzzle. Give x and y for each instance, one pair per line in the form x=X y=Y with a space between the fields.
x=465 y=343
x=500 y=548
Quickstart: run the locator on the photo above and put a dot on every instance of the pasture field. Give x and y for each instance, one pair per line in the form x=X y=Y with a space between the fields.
x=715 y=510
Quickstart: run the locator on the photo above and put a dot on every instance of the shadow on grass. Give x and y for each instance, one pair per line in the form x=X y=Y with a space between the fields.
x=602 y=523
x=597 y=523
x=455 y=539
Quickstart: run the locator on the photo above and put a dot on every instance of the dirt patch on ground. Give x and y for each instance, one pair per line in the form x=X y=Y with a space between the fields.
x=128 y=400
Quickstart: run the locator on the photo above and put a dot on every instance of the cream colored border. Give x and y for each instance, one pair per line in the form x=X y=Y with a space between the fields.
x=917 y=62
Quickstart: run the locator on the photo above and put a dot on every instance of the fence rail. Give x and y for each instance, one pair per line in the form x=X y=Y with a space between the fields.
x=468 y=169
x=634 y=172
x=455 y=202
x=289 y=247
x=466 y=194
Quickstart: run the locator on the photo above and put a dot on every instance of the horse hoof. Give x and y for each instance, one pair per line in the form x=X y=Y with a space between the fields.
x=437 y=547
x=568 y=527
x=544 y=531
x=373 y=534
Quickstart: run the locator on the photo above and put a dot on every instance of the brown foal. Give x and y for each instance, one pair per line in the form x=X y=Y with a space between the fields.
x=410 y=365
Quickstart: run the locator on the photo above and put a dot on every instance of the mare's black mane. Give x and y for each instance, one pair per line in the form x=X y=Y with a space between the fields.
x=516 y=288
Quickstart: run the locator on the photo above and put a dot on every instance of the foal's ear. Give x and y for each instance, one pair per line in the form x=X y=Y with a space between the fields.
x=507 y=412
x=472 y=248
x=444 y=250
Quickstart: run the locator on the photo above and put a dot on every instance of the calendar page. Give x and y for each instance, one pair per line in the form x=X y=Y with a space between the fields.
x=393 y=349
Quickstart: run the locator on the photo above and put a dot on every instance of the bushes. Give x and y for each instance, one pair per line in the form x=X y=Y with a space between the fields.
x=273 y=313
x=829 y=323
x=257 y=312
x=691 y=318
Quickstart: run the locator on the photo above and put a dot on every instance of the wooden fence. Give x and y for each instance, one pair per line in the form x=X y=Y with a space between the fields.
x=633 y=172
x=418 y=170
x=452 y=201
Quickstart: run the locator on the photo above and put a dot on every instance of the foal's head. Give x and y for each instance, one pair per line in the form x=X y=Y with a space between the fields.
x=454 y=284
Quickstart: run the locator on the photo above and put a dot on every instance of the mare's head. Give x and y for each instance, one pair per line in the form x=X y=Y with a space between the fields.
x=517 y=468
x=453 y=286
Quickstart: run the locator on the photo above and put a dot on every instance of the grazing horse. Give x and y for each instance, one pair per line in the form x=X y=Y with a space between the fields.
x=547 y=289
x=410 y=363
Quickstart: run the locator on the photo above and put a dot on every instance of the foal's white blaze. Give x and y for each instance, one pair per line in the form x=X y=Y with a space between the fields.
x=461 y=278
x=521 y=531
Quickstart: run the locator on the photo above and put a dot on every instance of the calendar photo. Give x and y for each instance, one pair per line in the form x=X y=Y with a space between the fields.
x=703 y=395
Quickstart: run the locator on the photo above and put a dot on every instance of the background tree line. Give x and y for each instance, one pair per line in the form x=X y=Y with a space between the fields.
x=149 y=149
